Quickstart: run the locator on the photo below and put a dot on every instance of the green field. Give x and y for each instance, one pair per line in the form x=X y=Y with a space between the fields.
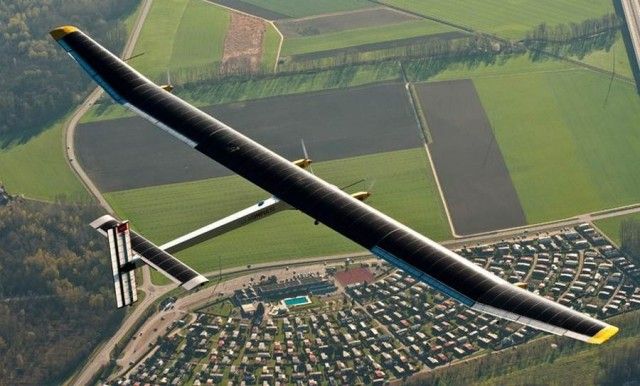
x=359 y=36
x=404 y=189
x=270 y=44
x=38 y=168
x=509 y=19
x=611 y=226
x=301 y=8
x=181 y=36
x=569 y=151
x=422 y=70
x=216 y=92
x=605 y=58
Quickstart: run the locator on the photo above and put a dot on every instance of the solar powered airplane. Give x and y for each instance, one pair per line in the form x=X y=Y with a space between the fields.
x=294 y=187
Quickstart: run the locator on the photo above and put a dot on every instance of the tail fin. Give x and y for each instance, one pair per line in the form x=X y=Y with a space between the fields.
x=124 y=279
x=130 y=250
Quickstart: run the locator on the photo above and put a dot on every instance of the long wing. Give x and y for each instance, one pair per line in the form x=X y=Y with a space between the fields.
x=416 y=254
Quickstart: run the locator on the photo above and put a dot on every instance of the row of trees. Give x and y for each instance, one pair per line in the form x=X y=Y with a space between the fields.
x=56 y=301
x=562 y=33
x=38 y=83
x=477 y=45
x=630 y=238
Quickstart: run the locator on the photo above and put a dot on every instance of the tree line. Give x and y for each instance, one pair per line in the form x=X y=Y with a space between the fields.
x=615 y=362
x=630 y=238
x=563 y=33
x=38 y=82
x=56 y=300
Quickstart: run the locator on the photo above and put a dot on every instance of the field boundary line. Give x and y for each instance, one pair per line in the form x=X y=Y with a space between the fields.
x=427 y=17
x=234 y=10
x=275 y=66
x=441 y=192
x=87 y=371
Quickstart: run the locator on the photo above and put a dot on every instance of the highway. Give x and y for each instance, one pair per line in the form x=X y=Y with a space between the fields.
x=632 y=15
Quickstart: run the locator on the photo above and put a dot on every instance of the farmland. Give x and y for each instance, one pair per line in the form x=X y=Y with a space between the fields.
x=301 y=8
x=38 y=169
x=611 y=226
x=469 y=165
x=367 y=17
x=131 y=153
x=606 y=58
x=509 y=19
x=181 y=35
x=270 y=45
x=230 y=90
x=360 y=36
x=570 y=145
x=404 y=189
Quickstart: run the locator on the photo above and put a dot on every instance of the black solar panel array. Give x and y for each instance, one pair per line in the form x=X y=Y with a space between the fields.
x=156 y=256
x=320 y=200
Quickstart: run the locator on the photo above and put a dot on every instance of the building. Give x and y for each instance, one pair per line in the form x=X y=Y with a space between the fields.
x=308 y=285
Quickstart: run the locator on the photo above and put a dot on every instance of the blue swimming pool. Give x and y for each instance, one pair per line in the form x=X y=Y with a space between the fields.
x=297 y=301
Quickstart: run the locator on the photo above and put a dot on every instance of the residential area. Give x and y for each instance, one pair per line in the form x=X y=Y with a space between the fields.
x=371 y=323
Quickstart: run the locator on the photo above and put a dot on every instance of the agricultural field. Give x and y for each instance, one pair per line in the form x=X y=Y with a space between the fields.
x=322 y=24
x=361 y=36
x=181 y=36
x=501 y=66
x=469 y=165
x=404 y=188
x=37 y=168
x=509 y=19
x=611 y=226
x=569 y=140
x=270 y=45
x=613 y=58
x=131 y=153
x=218 y=92
x=280 y=9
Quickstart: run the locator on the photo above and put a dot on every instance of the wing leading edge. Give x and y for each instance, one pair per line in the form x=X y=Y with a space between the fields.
x=421 y=257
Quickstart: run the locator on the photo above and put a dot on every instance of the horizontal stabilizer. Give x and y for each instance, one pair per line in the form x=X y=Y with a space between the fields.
x=124 y=281
x=152 y=255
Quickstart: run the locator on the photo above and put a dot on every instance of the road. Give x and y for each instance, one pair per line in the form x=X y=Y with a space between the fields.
x=72 y=123
x=157 y=324
x=101 y=357
x=632 y=15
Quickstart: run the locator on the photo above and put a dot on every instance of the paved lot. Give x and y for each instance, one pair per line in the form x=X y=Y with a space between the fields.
x=470 y=167
x=130 y=153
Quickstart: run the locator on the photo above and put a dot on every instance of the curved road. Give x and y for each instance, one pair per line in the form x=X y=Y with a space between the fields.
x=101 y=357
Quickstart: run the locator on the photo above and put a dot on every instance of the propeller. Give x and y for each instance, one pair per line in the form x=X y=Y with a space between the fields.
x=306 y=155
x=352 y=184
x=168 y=87
x=133 y=57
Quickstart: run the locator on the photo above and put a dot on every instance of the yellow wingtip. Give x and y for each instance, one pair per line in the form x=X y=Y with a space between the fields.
x=604 y=335
x=63 y=31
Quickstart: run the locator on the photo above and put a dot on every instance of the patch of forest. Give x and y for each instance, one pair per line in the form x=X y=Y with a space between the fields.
x=38 y=82
x=56 y=301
